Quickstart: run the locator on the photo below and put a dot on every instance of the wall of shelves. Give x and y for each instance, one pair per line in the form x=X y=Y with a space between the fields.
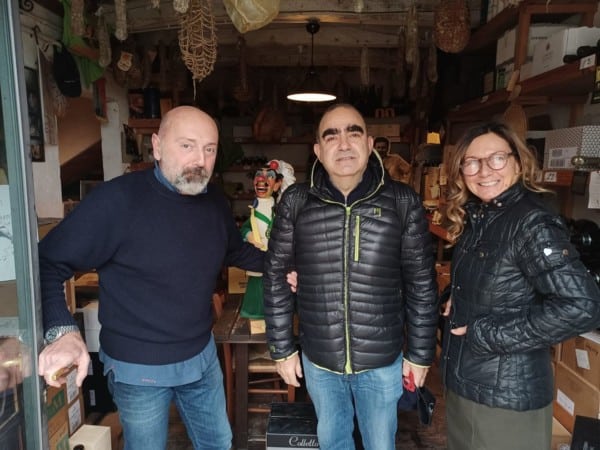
x=567 y=86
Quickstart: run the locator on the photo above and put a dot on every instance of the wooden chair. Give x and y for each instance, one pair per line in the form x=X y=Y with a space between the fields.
x=265 y=379
x=218 y=300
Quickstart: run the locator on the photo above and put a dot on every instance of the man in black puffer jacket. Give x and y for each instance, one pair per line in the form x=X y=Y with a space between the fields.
x=366 y=287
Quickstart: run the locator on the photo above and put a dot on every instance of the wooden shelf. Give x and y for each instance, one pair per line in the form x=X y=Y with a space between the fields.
x=439 y=231
x=562 y=178
x=544 y=11
x=144 y=126
x=564 y=85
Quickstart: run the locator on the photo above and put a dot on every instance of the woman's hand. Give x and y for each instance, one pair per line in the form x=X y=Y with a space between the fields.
x=292 y=279
x=447 y=307
x=460 y=331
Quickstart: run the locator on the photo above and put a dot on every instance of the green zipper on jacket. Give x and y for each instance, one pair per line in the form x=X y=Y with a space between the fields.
x=348 y=368
x=348 y=209
x=357 y=239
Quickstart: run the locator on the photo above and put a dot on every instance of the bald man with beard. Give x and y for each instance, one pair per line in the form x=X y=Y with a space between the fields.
x=158 y=240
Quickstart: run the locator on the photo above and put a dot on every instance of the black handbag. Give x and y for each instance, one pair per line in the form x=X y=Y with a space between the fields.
x=420 y=399
x=425 y=405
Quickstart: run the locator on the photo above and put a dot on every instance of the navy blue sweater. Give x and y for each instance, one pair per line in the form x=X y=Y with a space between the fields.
x=158 y=255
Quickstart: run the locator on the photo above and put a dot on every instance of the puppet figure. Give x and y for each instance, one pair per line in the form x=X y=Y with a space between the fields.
x=269 y=183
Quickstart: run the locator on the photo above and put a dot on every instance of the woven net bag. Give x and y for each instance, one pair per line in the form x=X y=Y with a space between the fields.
x=198 y=40
x=452 y=25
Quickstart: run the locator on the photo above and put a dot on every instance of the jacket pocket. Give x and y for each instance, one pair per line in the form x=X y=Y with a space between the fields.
x=476 y=369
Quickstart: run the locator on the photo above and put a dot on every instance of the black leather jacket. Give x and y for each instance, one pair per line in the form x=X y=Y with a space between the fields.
x=519 y=286
x=365 y=275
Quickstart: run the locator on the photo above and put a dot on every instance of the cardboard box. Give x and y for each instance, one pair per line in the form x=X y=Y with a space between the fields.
x=505 y=47
x=56 y=408
x=560 y=436
x=91 y=325
x=582 y=355
x=92 y=437
x=549 y=53
x=555 y=352
x=525 y=71
x=292 y=425
x=76 y=414
x=257 y=326
x=237 y=280
x=503 y=74
x=60 y=439
x=563 y=144
x=573 y=396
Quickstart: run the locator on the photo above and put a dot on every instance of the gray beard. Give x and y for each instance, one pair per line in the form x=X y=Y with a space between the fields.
x=192 y=183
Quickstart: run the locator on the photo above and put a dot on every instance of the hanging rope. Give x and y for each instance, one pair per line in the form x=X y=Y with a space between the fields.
x=198 y=40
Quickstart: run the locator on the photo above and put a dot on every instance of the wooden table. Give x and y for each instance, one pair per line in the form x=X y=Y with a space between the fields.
x=235 y=330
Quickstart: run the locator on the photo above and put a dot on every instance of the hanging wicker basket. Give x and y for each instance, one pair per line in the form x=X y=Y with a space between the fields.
x=516 y=119
x=452 y=29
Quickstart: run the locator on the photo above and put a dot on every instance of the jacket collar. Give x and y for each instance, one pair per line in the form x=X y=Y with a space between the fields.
x=373 y=178
x=508 y=198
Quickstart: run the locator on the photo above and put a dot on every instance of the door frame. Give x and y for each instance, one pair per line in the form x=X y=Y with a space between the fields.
x=23 y=217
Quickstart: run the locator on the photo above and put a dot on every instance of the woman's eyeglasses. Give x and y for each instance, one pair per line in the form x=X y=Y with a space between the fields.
x=496 y=161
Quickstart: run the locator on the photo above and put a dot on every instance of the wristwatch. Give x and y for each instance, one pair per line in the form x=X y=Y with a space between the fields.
x=58 y=331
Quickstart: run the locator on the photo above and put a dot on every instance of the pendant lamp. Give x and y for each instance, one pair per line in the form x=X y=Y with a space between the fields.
x=311 y=89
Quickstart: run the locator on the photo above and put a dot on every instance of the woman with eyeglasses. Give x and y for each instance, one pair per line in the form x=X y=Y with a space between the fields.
x=517 y=288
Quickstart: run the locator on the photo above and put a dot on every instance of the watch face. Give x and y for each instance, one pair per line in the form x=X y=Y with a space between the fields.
x=55 y=332
x=51 y=334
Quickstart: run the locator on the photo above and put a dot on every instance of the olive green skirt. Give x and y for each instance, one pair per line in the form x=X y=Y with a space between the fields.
x=473 y=426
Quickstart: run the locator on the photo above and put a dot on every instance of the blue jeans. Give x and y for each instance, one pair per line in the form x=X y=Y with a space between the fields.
x=373 y=395
x=144 y=411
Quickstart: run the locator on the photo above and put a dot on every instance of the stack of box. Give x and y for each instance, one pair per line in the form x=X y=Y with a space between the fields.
x=92 y=437
x=64 y=410
x=577 y=383
x=549 y=54
x=292 y=425
x=505 y=49
x=563 y=144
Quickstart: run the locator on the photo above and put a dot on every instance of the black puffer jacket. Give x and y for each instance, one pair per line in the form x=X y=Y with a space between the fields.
x=519 y=286
x=365 y=274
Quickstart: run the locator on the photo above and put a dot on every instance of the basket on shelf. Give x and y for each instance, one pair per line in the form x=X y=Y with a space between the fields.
x=514 y=116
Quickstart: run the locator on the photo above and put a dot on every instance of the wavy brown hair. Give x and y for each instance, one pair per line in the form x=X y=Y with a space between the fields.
x=458 y=194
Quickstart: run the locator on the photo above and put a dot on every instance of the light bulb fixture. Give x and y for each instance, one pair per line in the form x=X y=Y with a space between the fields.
x=311 y=89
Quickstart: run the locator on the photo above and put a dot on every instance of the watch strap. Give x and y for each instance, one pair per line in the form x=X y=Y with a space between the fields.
x=55 y=332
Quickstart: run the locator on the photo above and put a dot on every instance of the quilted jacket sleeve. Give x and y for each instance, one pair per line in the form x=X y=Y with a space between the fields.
x=567 y=299
x=279 y=260
x=418 y=268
